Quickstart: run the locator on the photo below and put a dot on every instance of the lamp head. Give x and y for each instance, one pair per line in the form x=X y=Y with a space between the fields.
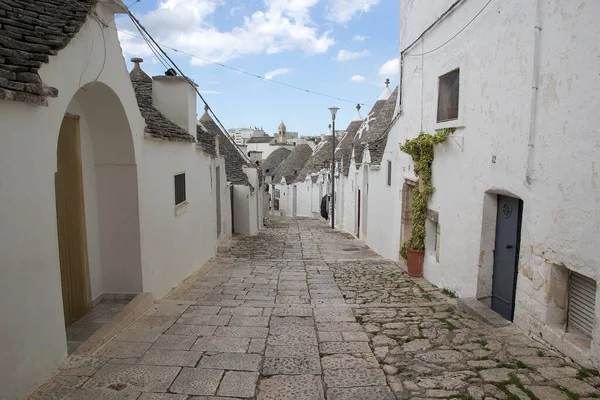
x=333 y=112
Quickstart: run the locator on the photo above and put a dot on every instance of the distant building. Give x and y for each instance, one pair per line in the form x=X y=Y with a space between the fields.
x=242 y=135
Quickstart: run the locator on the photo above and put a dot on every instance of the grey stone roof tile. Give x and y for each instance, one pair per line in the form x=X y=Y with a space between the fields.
x=157 y=125
x=321 y=158
x=260 y=139
x=206 y=140
x=293 y=164
x=343 y=152
x=30 y=32
x=234 y=162
x=275 y=159
x=376 y=138
x=358 y=142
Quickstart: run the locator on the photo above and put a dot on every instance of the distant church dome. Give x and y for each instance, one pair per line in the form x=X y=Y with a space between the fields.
x=282 y=127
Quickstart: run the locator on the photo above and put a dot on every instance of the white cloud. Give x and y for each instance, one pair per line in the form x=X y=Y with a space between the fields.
x=236 y=9
x=347 y=55
x=342 y=11
x=281 y=25
x=359 y=38
x=390 y=68
x=357 y=78
x=277 y=72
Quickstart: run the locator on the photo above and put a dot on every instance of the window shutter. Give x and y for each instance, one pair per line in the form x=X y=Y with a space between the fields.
x=582 y=302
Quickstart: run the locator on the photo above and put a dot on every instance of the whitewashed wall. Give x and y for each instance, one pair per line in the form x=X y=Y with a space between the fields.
x=384 y=225
x=134 y=238
x=194 y=229
x=265 y=148
x=32 y=332
x=490 y=148
x=248 y=206
x=350 y=200
x=304 y=200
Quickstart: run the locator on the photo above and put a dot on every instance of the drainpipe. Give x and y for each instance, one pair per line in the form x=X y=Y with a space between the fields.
x=534 y=91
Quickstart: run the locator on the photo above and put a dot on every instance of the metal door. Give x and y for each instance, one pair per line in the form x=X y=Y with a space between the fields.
x=218 y=199
x=358 y=216
x=506 y=254
x=232 y=209
x=295 y=201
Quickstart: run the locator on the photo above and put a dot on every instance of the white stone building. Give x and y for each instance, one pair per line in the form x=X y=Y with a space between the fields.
x=104 y=191
x=284 y=177
x=241 y=135
x=246 y=190
x=314 y=180
x=514 y=217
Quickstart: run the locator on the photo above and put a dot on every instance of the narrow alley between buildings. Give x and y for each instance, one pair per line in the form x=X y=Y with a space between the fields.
x=299 y=311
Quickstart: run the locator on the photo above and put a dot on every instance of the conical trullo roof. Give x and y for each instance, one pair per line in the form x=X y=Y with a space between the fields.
x=293 y=164
x=274 y=160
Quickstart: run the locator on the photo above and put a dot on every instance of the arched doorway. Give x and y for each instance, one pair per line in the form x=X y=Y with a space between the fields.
x=96 y=202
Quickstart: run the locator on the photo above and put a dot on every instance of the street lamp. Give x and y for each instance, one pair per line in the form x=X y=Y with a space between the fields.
x=333 y=112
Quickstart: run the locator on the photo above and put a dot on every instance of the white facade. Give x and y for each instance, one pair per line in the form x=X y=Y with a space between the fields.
x=241 y=135
x=136 y=239
x=265 y=148
x=540 y=147
x=248 y=205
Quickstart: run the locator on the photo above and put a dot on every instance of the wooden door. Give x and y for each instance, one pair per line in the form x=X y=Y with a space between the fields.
x=70 y=215
x=406 y=217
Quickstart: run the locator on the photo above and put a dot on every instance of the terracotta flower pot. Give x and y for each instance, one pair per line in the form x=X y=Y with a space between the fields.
x=415 y=263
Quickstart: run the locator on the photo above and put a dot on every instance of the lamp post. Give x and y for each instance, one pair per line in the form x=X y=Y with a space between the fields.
x=333 y=111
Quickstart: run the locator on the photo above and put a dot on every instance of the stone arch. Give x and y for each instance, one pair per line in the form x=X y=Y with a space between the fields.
x=110 y=192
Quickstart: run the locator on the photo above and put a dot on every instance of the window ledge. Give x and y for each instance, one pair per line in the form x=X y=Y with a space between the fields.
x=181 y=208
x=455 y=123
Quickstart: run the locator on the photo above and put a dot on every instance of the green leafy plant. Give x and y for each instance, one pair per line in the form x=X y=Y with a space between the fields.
x=421 y=151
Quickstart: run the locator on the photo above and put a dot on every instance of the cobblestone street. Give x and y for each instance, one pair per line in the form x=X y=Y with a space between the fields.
x=303 y=312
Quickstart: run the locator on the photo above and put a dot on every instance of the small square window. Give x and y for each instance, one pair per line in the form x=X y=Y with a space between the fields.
x=389 y=173
x=448 y=91
x=180 y=195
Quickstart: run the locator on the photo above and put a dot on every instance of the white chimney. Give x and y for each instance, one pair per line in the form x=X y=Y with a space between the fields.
x=176 y=99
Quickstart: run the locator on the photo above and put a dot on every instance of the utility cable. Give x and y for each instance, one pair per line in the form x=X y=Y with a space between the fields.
x=455 y=35
x=171 y=62
x=245 y=72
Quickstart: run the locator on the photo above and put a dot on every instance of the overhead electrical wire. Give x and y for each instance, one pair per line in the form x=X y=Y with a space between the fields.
x=145 y=34
x=143 y=31
x=245 y=72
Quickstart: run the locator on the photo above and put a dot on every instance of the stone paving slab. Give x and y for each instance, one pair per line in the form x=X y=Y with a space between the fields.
x=178 y=358
x=290 y=314
x=222 y=344
x=239 y=384
x=291 y=387
x=292 y=366
x=232 y=361
x=141 y=378
x=362 y=393
x=174 y=342
x=197 y=381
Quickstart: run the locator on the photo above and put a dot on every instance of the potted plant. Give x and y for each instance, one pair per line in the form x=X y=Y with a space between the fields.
x=421 y=151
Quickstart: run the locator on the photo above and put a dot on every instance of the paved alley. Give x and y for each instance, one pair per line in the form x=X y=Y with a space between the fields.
x=303 y=312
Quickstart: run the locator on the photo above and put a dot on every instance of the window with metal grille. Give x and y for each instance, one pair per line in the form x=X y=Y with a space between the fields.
x=389 y=173
x=582 y=302
x=448 y=86
x=180 y=188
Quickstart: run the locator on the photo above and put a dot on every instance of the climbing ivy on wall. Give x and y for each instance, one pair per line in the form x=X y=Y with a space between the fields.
x=421 y=151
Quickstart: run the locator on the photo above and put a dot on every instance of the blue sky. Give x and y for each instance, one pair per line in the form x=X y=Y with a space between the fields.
x=314 y=44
